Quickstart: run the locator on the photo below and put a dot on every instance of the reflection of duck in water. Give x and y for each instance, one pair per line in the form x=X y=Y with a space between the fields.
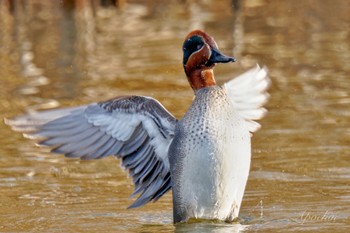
x=204 y=157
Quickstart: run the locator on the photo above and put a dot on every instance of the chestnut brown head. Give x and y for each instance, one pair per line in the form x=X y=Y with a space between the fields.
x=201 y=53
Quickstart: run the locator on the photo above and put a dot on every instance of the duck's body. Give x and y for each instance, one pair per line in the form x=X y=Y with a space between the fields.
x=204 y=157
x=209 y=158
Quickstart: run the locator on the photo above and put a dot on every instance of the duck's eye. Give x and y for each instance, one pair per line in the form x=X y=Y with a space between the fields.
x=192 y=45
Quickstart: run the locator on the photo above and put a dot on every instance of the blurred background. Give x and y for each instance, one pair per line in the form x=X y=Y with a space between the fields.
x=64 y=53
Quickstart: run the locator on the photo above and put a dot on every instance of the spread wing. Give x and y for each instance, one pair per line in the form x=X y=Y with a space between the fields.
x=248 y=93
x=136 y=129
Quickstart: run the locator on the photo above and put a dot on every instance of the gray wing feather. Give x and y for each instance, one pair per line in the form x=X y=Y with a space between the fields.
x=136 y=129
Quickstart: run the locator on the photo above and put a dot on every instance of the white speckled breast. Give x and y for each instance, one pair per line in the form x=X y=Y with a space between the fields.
x=209 y=158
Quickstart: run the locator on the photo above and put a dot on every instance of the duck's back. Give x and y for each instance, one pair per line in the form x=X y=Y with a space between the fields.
x=209 y=158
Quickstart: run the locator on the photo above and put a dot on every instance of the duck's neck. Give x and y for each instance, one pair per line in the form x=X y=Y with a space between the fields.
x=201 y=78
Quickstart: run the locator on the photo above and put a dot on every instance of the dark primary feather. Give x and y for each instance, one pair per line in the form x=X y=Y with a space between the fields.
x=136 y=129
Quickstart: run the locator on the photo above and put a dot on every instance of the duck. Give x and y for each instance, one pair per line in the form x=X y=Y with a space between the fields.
x=204 y=157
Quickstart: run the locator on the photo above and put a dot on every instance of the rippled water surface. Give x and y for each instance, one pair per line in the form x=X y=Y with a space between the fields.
x=64 y=53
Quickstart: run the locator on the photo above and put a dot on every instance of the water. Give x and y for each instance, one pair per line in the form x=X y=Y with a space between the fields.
x=55 y=54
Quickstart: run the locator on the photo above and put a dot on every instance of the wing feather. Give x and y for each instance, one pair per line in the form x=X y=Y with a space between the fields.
x=136 y=129
x=248 y=93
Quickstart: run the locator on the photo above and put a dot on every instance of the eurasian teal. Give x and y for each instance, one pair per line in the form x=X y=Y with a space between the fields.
x=203 y=157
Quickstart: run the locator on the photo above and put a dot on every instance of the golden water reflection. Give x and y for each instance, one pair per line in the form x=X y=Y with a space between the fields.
x=57 y=54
